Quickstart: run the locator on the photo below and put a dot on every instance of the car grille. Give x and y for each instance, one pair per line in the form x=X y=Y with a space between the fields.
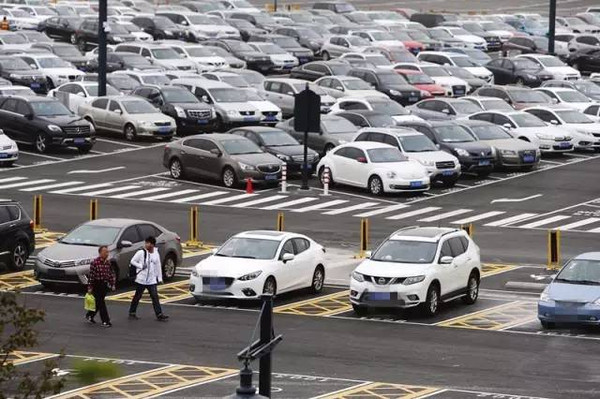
x=6 y=147
x=480 y=154
x=445 y=165
x=76 y=129
x=198 y=114
x=385 y=280
x=225 y=281
x=596 y=134
x=565 y=138
x=269 y=168
x=162 y=123
x=459 y=89
x=247 y=113
x=300 y=158
x=184 y=67
x=72 y=77
x=55 y=263
x=270 y=113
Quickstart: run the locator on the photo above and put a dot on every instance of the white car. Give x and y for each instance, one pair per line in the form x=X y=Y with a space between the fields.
x=418 y=266
x=20 y=18
x=378 y=104
x=73 y=94
x=376 y=59
x=160 y=56
x=458 y=60
x=455 y=87
x=271 y=113
x=199 y=26
x=555 y=67
x=379 y=38
x=56 y=70
x=490 y=103
x=378 y=167
x=9 y=152
x=201 y=55
x=467 y=38
x=585 y=131
x=281 y=59
x=525 y=126
x=253 y=263
x=12 y=41
x=345 y=86
x=441 y=166
x=567 y=97
x=147 y=78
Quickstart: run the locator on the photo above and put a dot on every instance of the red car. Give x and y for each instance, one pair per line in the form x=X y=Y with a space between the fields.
x=422 y=82
x=411 y=45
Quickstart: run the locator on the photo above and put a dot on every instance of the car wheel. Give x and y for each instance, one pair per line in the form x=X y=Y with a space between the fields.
x=576 y=66
x=520 y=82
x=160 y=36
x=325 y=55
x=548 y=325
x=450 y=182
x=432 y=303
x=472 y=290
x=81 y=45
x=129 y=132
x=41 y=142
x=85 y=150
x=360 y=311
x=18 y=256
x=318 y=280
x=219 y=125
x=270 y=286
x=176 y=169
x=229 y=178
x=169 y=267
x=376 y=185
x=322 y=177
x=483 y=175
x=51 y=84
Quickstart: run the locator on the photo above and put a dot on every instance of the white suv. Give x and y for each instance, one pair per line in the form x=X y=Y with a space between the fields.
x=418 y=266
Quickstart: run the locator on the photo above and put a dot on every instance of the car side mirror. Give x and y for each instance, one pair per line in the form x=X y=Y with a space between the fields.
x=287 y=257
x=446 y=111
x=216 y=152
x=81 y=94
x=361 y=160
x=368 y=254
x=124 y=244
x=28 y=116
x=507 y=126
x=555 y=101
x=204 y=98
x=554 y=122
x=118 y=111
x=33 y=66
x=446 y=260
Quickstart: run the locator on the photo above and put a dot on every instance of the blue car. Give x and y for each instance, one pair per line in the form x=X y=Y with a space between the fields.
x=574 y=294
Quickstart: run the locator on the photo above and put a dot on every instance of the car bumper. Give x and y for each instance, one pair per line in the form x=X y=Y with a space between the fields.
x=156 y=131
x=65 y=141
x=518 y=161
x=67 y=275
x=554 y=146
x=401 y=185
x=9 y=156
x=259 y=177
x=392 y=296
x=242 y=120
x=476 y=165
x=443 y=174
x=207 y=287
x=192 y=126
x=578 y=314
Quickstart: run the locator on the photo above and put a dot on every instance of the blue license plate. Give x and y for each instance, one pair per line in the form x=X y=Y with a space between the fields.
x=79 y=141
x=202 y=121
x=565 y=144
x=528 y=158
x=35 y=85
x=302 y=60
x=249 y=119
x=459 y=92
x=2 y=155
x=484 y=162
x=413 y=99
x=448 y=172
x=164 y=130
x=217 y=284
x=379 y=296
x=416 y=184
x=270 y=177
x=271 y=118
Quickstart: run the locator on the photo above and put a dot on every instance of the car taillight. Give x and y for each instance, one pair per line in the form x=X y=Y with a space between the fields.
x=178 y=238
x=31 y=224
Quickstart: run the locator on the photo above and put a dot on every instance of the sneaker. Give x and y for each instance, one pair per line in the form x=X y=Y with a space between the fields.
x=133 y=316
x=162 y=317
x=90 y=319
x=107 y=325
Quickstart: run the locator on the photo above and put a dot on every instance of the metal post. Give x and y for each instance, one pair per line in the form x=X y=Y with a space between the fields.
x=326 y=181
x=274 y=5
x=284 y=178
x=364 y=237
x=37 y=214
x=194 y=224
x=551 y=26
x=102 y=26
x=280 y=221
x=553 y=249
x=93 y=209
x=266 y=334
x=305 y=163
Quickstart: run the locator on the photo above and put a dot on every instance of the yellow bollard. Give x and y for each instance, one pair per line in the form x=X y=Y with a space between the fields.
x=194 y=236
x=37 y=214
x=553 y=249
x=469 y=228
x=93 y=209
x=280 y=221
x=364 y=237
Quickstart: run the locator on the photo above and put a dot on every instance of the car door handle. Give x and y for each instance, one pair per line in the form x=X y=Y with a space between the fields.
x=183 y=152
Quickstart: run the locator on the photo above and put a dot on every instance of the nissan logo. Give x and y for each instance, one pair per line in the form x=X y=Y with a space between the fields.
x=381 y=281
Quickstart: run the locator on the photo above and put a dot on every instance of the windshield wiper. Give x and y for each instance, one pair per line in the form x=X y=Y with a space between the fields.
x=586 y=282
x=226 y=256
x=245 y=257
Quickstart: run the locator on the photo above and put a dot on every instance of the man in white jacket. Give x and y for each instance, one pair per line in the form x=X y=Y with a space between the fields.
x=148 y=276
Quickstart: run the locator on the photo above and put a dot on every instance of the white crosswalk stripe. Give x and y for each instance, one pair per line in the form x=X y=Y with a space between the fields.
x=416 y=212
x=445 y=215
x=510 y=220
x=596 y=230
x=109 y=190
x=579 y=223
x=544 y=222
x=381 y=211
x=475 y=218
x=322 y=205
x=8 y=179
x=259 y=201
x=140 y=193
x=169 y=195
x=290 y=203
x=229 y=199
x=199 y=197
x=82 y=188
x=51 y=186
x=25 y=183
x=351 y=208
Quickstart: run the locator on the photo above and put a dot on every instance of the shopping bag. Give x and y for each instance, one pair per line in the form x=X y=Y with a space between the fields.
x=89 y=302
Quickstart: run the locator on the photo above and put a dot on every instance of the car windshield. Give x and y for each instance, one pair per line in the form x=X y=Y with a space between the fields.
x=460 y=72
x=527 y=120
x=418 y=78
x=227 y=95
x=358 y=41
x=494 y=26
x=66 y=51
x=165 y=54
x=123 y=82
x=389 y=107
x=572 y=116
x=357 y=84
x=53 y=62
x=269 y=48
x=130 y=27
x=340 y=69
x=138 y=107
x=252 y=95
x=277 y=138
x=91 y=235
x=418 y=35
x=240 y=146
x=402 y=56
x=263 y=19
x=381 y=120
x=199 y=51
x=384 y=155
x=14 y=64
x=440 y=34
x=301 y=17
x=159 y=80
x=134 y=59
x=164 y=23
x=337 y=125
x=588 y=88
x=377 y=59
x=466 y=107
x=496 y=104
x=179 y=95
x=116 y=29
x=474 y=28
x=529 y=96
x=16 y=91
x=525 y=64
x=459 y=32
x=580 y=271
x=93 y=90
x=464 y=62
x=12 y=39
x=404 y=251
x=490 y=132
x=249 y=248
x=453 y=134
x=391 y=79
x=573 y=97
x=235 y=81
x=286 y=42
x=198 y=19
x=417 y=143
x=240 y=46
x=44 y=11
x=434 y=71
x=382 y=36
x=49 y=108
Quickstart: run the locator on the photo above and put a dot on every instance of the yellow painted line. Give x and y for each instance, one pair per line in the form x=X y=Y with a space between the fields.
x=326 y=305
x=492 y=269
x=22 y=357
x=190 y=253
x=18 y=280
x=150 y=383
x=47 y=238
x=495 y=318
x=382 y=391
x=166 y=293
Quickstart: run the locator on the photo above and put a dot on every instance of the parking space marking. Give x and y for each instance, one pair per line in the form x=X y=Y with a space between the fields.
x=190 y=252
x=496 y=318
x=17 y=281
x=166 y=293
x=326 y=305
x=47 y=238
x=382 y=391
x=22 y=357
x=491 y=269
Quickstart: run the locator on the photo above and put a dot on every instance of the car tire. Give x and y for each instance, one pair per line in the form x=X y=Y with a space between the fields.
x=431 y=305
x=160 y=36
x=176 y=169
x=41 y=142
x=73 y=39
x=18 y=256
x=81 y=45
x=169 y=267
x=451 y=182
x=520 y=82
x=270 y=286
x=229 y=178
x=318 y=280
x=576 y=66
x=325 y=55
x=321 y=172
x=51 y=84
x=129 y=132
x=219 y=125
x=472 y=289
x=483 y=175
x=547 y=325
x=376 y=186
x=85 y=150
x=360 y=311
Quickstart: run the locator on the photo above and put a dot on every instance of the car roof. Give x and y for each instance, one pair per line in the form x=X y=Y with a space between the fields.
x=265 y=234
x=589 y=256
x=260 y=129
x=473 y=122
x=215 y=136
x=364 y=112
x=431 y=234
x=557 y=89
x=288 y=80
x=366 y=145
x=205 y=83
x=115 y=222
x=394 y=131
x=31 y=98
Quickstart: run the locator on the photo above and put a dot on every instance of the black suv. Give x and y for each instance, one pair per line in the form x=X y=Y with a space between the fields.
x=192 y=115
x=390 y=83
x=159 y=27
x=17 y=240
x=254 y=60
x=44 y=122
x=86 y=36
x=19 y=72
x=119 y=60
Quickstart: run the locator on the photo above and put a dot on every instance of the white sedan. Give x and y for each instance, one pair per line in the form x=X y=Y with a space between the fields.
x=9 y=152
x=256 y=262
x=76 y=93
x=377 y=167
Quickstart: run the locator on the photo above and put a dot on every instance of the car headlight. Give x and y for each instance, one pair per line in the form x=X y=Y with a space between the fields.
x=538 y=153
x=13 y=146
x=493 y=151
x=545 y=297
x=413 y=280
x=232 y=112
x=195 y=273
x=426 y=162
x=168 y=32
x=585 y=132
x=358 y=277
x=508 y=152
x=542 y=136
x=530 y=76
x=250 y=276
x=461 y=152
x=180 y=112
x=395 y=93
x=62 y=76
x=146 y=123
x=84 y=262
x=117 y=39
x=425 y=93
x=13 y=76
x=54 y=128
x=284 y=157
x=243 y=166
x=391 y=174
x=342 y=141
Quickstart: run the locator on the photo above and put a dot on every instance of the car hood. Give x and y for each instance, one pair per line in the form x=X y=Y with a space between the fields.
x=364 y=93
x=290 y=150
x=26 y=73
x=435 y=156
x=470 y=38
x=479 y=71
x=282 y=57
x=471 y=147
x=222 y=266
x=402 y=88
x=388 y=269
x=583 y=127
x=256 y=159
x=391 y=43
x=176 y=62
x=241 y=106
x=448 y=81
x=209 y=60
x=407 y=118
x=61 y=120
x=573 y=292
x=76 y=59
x=200 y=106
x=64 y=252
x=561 y=70
x=62 y=71
x=511 y=144
x=406 y=169
x=264 y=106
x=430 y=87
x=548 y=130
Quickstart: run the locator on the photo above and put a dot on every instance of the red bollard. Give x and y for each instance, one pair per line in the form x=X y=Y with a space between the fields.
x=249 y=188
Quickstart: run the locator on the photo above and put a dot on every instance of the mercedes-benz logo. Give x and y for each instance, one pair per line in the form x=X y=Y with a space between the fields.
x=381 y=281
x=78 y=130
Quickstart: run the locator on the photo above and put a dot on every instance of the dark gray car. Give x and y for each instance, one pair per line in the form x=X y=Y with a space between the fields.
x=444 y=108
x=229 y=158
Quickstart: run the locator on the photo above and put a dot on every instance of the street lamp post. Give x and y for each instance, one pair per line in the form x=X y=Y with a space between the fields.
x=551 y=26
x=102 y=30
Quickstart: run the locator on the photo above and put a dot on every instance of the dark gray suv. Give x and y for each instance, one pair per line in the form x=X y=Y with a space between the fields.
x=17 y=240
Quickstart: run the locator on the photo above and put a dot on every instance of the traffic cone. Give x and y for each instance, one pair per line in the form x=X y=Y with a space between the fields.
x=249 y=188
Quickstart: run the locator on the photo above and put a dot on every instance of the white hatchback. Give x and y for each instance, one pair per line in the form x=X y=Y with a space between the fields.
x=418 y=266
x=256 y=262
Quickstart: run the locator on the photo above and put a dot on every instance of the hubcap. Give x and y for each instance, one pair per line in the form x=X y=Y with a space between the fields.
x=170 y=267
x=375 y=186
x=473 y=288
x=176 y=169
x=433 y=301
x=129 y=133
x=228 y=178
x=318 y=280
x=40 y=143
x=269 y=287
x=19 y=256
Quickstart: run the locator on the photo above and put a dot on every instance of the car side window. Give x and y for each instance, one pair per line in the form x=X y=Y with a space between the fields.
x=207 y=145
x=377 y=137
x=9 y=213
x=446 y=249
x=131 y=234
x=147 y=230
x=146 y=53
x=114 y=106
x=593 y=110
x=350 y=105
x=465 y=242
x=357 y=120
x=343 y=152
x=302 y=245
x=100 y=103
x=22 y=108
x=355 y=153
x=483 y=117
x=286 y=89
x=456 y=246
x=10 y=105
x=390 y=140
x=288 y=248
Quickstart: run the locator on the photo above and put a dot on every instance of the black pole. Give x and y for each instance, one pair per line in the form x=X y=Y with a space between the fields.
x=266 y=334
x=274 y=5
x=305 y=163
x=102 y=48
x=551 y=26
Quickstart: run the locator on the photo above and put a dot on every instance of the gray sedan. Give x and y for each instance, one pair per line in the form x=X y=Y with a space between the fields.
x=229 y=158
x=68 y=261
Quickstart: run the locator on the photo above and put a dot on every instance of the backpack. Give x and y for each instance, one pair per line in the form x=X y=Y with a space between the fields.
x=133 y=271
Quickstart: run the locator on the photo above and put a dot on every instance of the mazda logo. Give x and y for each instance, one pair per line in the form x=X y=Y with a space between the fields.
x=482 y=153
x=381 y=281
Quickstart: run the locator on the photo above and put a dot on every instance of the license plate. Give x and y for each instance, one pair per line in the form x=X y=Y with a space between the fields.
x=3 y=155
x=35 y=85
x=484 y=162
x=416 y=184
x=302 y=60
x=459 y=92
x=270 y=177
x=164 y=130
x=79 y=141
x=448 y=173
x=413 y=99
x=202 y=121
x=379 y=296
x=528 y=158
x=565 y=144
x=270 y=118
x=217 y=284
x=248 y=119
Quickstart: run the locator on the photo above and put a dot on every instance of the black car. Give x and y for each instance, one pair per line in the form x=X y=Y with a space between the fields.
x=17 y=240
x=520 y=71
x=305 y=36
x=19 y=72
x=444 y=108
x=337 y=6
x=525 y=45
x=246 y=28
x=86 y=36
x=260 y=20
x=431 y=20
x=119 y=60
x=203 y=6
x=287 y=43
x=390 y=83
x=61 y=28
x=367 y=118
x=254 y=59
x=461 y=73
x=33 y=36
x=44 y=122
x=281 y=144
x=585 y=61
x=317 y=69
x=159 y=27
x=191 y=115
x=67 y=52
x=449 y=136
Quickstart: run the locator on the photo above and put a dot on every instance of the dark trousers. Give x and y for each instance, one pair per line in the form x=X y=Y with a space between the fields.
x=99 y=291
x=139 y=290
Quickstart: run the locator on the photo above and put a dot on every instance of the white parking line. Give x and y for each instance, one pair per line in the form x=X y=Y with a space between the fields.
x=512 y=219
x=380 y=211
x=290 y=203
x=26 y=183
x=544 y=222
x=552 y=162
x=199 y=196
x=119 y=143
x=414 y=213
x=83 y=188
x=170 y=195
x=6 y=180
x=319 y=206
x=35 y=154
x=351 y=208
x=229 y=199
x=478 y=217
x=259 y=201
x=109 y=190
x=142 y=192
x=445 y=215
x=56 y=185
x=579 y=223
